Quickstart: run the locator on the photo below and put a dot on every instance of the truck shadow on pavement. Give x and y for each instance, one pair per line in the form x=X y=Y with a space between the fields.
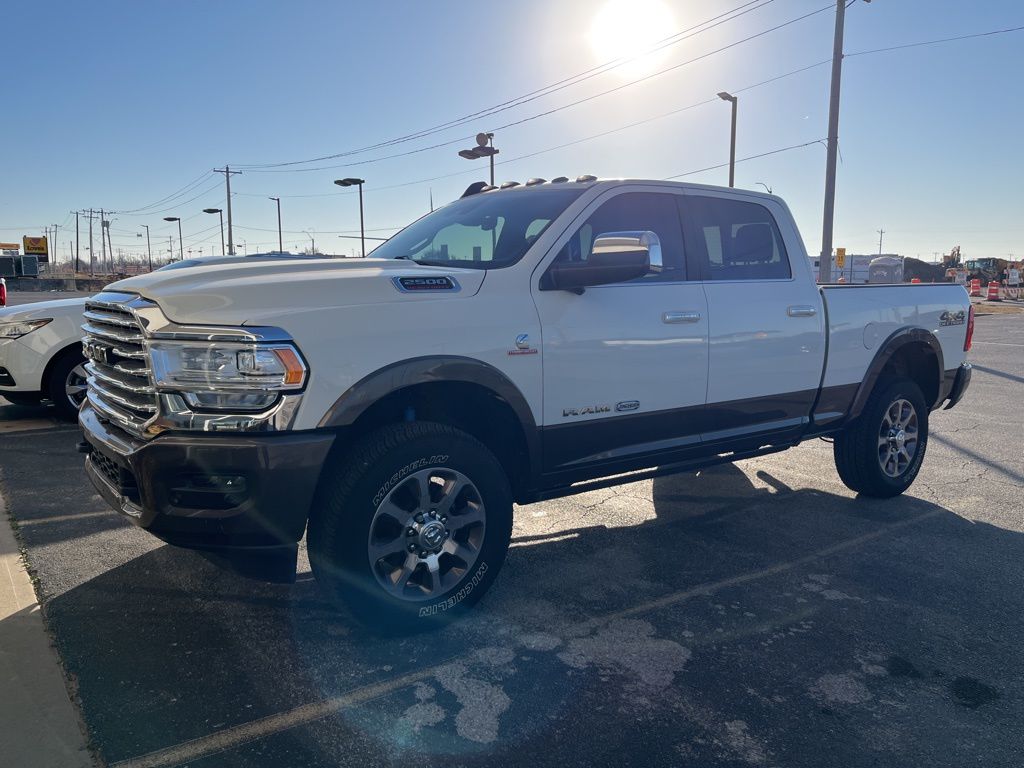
x=733 y=624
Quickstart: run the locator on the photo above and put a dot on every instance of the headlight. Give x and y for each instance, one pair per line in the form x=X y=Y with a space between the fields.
x=227 y=376
x=20 y=328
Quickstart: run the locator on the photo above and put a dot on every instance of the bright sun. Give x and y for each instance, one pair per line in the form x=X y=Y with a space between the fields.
x=628 y=28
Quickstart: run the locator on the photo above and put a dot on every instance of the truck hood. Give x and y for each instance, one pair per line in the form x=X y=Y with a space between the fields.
x=236 y=294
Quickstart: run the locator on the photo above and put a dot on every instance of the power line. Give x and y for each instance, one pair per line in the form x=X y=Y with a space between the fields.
x=561 y=108
x=935 y=42
x=183 y=191
x=674 y=39
x=157 y=212
x=744 y=159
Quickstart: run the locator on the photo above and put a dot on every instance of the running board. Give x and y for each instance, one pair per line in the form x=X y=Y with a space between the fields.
x=702 y=462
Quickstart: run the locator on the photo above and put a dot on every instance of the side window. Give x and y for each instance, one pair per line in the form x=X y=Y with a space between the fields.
x=635 y=211
x=737 y=240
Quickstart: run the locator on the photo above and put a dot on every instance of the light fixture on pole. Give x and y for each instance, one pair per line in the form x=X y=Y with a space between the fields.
x=221 y=212
x=351 y=182
x=484 y=148
x=181 y=252
x=762 y=184
x=732 y=142
x=280 y=242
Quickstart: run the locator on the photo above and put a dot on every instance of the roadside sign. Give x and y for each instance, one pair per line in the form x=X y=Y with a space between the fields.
x=36 y=246
x=840 y=257
x=1013 y=276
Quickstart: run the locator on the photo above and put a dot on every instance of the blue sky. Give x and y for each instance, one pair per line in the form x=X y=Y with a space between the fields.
x=120 y=104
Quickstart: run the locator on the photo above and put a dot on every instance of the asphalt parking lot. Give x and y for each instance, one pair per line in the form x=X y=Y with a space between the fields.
x=755 y=614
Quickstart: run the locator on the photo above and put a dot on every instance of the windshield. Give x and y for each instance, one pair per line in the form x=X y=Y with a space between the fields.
x=483 y=231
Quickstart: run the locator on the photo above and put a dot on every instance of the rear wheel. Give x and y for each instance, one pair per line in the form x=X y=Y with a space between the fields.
x=411 y=526
x=880 y=453
x=66 y=385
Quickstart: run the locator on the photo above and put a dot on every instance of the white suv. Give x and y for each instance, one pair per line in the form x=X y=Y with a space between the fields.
x=41 y=354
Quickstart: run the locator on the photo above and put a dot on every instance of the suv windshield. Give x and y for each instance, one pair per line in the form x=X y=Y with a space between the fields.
x=483 y=231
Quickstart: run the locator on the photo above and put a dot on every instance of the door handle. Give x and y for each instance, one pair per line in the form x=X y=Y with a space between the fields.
x=801 y=310
x=680 y=317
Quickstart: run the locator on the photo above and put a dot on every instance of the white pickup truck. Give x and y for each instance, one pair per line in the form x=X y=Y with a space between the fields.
x=518 y=344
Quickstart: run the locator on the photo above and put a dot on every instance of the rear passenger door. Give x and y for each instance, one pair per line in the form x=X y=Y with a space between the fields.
x=766 y=338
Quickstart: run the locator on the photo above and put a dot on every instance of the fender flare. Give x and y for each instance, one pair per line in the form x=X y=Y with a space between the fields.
x=441 y=368
x=893 y=344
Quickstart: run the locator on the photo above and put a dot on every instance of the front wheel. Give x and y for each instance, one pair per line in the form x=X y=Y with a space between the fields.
x=880 y=453
x=411 y=526
x=66 y=383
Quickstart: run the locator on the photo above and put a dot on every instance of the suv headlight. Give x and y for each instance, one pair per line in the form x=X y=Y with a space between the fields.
x=227 y=375
x=18 y=329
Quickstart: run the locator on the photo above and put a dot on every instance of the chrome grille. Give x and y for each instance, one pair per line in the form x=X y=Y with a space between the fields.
x=120 y=385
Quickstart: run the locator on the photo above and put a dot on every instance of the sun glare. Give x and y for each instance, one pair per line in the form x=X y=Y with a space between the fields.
x=628 y=29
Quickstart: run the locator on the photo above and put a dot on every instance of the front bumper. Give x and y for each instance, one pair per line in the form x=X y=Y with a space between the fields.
x=208 y=491
x=961 y=379
x=21 y=367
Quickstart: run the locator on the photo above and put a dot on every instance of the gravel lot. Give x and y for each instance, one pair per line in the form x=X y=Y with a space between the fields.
x=755 y=614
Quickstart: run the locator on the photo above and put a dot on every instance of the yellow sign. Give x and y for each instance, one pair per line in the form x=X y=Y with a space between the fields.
x=35 y=245
x=840 y=257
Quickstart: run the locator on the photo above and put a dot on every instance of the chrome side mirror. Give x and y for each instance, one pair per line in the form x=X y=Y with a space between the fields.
x=615 y=257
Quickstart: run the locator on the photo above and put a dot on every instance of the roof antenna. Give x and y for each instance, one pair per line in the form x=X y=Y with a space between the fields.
x=431 y=199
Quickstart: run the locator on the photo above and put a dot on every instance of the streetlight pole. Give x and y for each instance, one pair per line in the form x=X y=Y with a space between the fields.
x=221 y=212
x=280 y=242
x=149 y=248
x=732 y=142
x=362 y=227
x=181 y=247
x=311 y=241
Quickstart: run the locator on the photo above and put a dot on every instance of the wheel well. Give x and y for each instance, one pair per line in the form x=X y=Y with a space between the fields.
x=917 y=362
x=44 y=382
x=473 y=408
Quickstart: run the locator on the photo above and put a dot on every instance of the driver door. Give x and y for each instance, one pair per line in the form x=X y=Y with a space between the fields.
x=625 y=365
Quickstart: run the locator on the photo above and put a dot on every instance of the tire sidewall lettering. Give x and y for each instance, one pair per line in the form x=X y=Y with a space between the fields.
x=405 y=471
x=458 y=597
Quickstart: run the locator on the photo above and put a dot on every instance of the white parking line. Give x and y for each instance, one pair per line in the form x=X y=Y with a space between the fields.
x=307 y=713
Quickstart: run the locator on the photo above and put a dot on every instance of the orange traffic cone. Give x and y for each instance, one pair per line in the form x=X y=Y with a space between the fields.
x=993 y=292
x=975 y=287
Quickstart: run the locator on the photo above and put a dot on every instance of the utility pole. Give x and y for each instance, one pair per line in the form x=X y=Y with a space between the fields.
x=825 y=264
x=228 y=173
x=110 y=245
x=53 y=256
x=149 y=249
x=280 y=243
x=103 y=241
x=78 y=264
x=92 y=254
x=880 y=233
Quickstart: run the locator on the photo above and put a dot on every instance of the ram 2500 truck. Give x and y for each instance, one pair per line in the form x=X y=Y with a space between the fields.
x=516 y=345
